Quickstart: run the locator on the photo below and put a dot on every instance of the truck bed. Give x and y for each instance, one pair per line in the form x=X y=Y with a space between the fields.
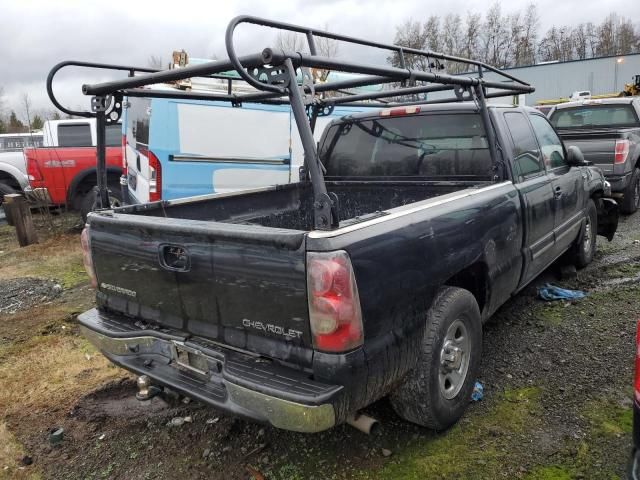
x=238 y=246
x=289 y=206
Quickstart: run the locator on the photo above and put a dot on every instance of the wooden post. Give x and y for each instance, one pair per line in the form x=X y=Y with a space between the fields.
x=19 y=213
x=7 y=213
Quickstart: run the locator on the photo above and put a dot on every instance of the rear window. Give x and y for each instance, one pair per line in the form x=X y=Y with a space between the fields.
x=589 y=116
x=74 y=135
x=418 y=145
x=138 y=114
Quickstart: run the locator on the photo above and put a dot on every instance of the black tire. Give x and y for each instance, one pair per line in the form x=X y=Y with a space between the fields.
x=585 y=247
x=88 y=202
x=631 y=196
x=5 y=190
x=423 y=398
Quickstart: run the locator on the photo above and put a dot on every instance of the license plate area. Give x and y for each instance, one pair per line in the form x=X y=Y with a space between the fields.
x=189 y=359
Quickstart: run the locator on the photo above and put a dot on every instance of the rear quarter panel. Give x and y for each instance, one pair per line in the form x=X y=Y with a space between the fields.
x=400 y=262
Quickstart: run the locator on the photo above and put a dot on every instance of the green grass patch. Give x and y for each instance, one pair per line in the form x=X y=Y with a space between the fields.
x=609 y=419
x=553 y=472
x=471 y=449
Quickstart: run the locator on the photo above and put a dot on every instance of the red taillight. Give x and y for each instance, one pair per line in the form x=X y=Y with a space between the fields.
x=334 y=306
x=397 y=112
x=155 y=178
x=637 y=375
x=86 y=256
x=621 y=151
x=33 y=170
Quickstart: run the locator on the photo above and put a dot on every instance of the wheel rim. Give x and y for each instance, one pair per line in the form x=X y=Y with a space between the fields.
x=454 y=359
x=588 y=234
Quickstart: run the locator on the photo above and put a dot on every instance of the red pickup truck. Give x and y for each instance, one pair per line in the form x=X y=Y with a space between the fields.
x=63 y=171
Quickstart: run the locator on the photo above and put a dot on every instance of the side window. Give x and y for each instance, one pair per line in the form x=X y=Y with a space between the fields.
x=552 y=150
x=113 y=135
x=526 y=151
x=74 y=135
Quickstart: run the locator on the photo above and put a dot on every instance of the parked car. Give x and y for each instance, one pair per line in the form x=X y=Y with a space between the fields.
x=13 y=170
x=580 y=95
x=181 y=148
x=318 y=324
x=607 y=132
x=63 y=170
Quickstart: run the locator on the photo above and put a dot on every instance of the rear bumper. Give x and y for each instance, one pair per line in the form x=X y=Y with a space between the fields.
x=249 y=386
x=618 y=182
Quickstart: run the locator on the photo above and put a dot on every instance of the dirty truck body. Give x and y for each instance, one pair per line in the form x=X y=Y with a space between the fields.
x=297 y=305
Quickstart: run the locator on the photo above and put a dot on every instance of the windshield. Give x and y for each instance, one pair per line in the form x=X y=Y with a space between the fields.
x=589 y=116
x=416 y=145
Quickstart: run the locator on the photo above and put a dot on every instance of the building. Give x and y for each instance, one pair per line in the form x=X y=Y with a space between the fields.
x=605 y=75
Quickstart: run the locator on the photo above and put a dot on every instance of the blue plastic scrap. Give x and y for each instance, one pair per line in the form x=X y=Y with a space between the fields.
x=550 y=292
x=478 y=392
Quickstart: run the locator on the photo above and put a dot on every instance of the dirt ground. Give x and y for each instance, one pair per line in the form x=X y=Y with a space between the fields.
x=557 y=381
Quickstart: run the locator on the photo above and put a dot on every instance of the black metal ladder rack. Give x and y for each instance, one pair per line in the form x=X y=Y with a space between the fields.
x=274 y=74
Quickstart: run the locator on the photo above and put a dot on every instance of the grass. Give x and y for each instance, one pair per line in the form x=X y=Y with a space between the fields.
x=50 y=370
x=609 y=419
x=58 y=258
x=10 y=454
x=469 y=449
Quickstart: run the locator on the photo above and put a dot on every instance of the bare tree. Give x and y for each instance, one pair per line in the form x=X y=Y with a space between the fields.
x=579 y=39
x=495 y=37
x=26 y=101
x=155 y=61
x=527 y=45
x=411 y=35
x=453 y=40
x=471 y=46
x=291 y=42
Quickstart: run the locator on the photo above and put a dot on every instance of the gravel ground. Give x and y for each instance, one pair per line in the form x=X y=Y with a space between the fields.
x=557 y=378
x=21 y=293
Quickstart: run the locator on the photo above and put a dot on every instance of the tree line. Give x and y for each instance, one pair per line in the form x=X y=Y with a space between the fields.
x=514 y=39
x=28 y=121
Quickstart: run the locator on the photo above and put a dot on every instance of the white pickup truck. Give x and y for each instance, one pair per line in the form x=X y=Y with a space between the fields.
x=13 y=168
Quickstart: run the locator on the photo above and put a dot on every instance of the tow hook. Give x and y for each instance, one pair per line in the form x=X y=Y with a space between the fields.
x=146 y=390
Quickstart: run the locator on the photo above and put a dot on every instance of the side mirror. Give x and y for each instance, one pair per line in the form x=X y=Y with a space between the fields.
x=575 y=158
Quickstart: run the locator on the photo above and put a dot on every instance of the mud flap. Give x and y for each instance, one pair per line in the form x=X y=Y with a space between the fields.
x=607 y=217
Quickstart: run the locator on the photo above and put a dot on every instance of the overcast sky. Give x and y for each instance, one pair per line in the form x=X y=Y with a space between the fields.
x=35 y=35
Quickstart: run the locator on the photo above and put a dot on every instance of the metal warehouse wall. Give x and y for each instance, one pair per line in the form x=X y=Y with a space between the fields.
x=555 y=80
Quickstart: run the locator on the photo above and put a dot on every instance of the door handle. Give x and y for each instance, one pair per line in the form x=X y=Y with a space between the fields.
x=557 y=193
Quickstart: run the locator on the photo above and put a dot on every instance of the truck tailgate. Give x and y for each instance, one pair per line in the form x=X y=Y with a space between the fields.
x=598 y=146
x=241 y=285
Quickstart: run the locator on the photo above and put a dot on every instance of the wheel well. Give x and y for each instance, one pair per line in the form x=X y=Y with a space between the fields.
x=10 y=180
x=474 y=279
x=87 y=182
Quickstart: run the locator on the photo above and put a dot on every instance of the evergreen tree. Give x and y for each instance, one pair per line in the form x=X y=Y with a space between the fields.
x=37 y=123
x=15 y=125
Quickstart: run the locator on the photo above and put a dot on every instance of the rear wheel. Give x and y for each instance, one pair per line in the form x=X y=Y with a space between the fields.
x=5 y=190
x=88 y=203
x=631 y=196
x=438 y=389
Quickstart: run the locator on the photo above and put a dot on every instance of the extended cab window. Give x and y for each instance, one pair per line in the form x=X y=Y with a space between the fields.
x=74 y=135
x=552 y=149
x=595 y=116
x=525 y=148
x=432 y=145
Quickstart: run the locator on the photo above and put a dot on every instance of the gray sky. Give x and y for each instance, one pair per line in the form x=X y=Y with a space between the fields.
x=35 y=35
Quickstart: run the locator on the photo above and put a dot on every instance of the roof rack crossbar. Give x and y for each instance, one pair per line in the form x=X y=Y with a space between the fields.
x=276 y=75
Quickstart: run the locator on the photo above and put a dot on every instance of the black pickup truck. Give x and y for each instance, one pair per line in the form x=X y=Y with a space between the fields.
x=299 y=304
x=607 y=131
